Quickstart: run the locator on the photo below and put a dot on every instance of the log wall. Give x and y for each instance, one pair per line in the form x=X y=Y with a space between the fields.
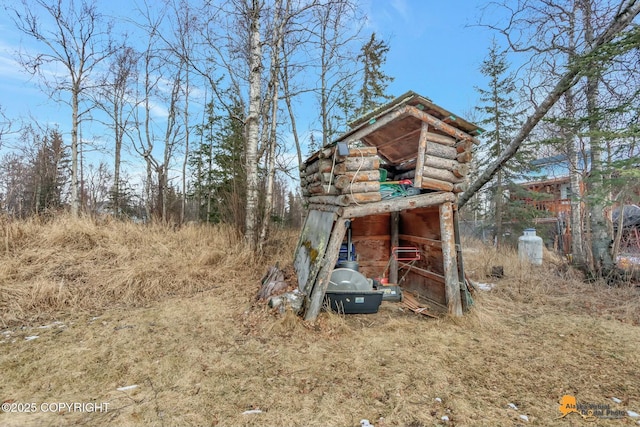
x=330 y=179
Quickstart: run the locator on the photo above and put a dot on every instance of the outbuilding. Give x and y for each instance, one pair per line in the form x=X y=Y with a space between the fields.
x=389 y=187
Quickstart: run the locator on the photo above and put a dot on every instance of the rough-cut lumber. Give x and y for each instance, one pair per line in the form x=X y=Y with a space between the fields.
x=351 y=176
x=439 y=124
x=361 y=187
x=410 y=302
x=428 y=274
x=397 y=204
x=441 y=174
x=450 y=260
x=436 y=184
x=422 y=149
x=352 y=164
x=439 y=150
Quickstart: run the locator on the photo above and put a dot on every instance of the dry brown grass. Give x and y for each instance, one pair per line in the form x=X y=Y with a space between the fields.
x=173 y=312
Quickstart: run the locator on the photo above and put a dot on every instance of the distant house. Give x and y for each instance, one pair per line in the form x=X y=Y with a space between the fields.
x=549 y=192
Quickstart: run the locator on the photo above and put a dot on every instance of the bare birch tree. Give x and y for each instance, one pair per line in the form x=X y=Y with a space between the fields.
x=75 y=36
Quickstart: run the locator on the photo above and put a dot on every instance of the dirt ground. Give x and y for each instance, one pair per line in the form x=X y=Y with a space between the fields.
x=147 y=326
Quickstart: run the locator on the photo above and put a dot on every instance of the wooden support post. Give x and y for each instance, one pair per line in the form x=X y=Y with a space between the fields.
x=422 y=151
x=316 y=296
x=450 y=260
x=395 y=241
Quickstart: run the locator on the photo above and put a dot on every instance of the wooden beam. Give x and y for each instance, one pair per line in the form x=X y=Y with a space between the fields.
x=316 y=296
x=359 y=187
x=450 y=260
x=398 y=204
x=441 y=174
x=422 y=150
x=436 y=184
x=361 y=176
x=354 y=164
x=439 y=124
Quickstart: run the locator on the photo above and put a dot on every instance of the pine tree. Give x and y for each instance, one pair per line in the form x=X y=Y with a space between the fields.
x=374 y=80
x=501 y=121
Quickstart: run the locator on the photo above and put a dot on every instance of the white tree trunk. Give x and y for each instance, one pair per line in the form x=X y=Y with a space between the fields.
x=252 y=123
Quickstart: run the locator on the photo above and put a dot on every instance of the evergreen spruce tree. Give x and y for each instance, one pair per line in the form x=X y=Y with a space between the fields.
x=217 y=168
x=372 y=94
x=501 y=121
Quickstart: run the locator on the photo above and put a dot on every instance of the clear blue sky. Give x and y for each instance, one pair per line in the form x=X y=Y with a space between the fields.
x=434 y=50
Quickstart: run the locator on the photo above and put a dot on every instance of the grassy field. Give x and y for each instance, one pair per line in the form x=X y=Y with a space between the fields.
x=173 y=313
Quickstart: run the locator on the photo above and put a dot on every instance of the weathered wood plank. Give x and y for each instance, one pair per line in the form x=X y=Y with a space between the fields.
x=450 y=260
x=421 y=240
x=329 y=259
x=427 y=274
x=312 y=246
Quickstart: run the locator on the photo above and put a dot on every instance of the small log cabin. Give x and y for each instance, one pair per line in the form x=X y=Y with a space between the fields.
x=390 y=182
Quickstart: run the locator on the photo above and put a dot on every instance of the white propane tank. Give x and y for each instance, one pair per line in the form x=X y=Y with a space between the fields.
x=530 y=247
